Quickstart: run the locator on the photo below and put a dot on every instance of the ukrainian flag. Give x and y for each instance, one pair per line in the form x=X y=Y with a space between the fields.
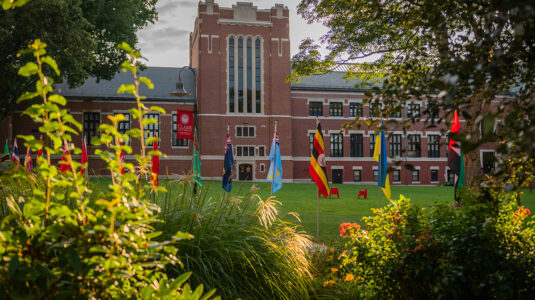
x=379 y=154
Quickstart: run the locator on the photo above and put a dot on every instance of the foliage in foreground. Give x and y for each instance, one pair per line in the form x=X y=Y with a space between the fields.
x=476 y=251
x=55 y=242
x=241 y=247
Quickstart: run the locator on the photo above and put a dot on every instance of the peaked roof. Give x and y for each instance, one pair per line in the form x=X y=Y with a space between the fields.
x=163 y=78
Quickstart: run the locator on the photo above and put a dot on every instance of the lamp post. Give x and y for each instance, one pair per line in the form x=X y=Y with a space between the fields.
x=180 y=91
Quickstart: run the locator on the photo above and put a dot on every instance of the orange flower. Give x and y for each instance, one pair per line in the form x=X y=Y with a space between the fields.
x=350 y=277
x=334 y=270
x=328 y=282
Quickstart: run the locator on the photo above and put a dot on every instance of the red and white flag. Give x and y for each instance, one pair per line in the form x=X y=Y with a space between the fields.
x=84 y=156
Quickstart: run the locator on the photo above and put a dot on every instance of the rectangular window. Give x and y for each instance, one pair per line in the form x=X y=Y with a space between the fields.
x=240 y=74
x=415 y=175
x=336 y=109
x=451 y=177
x=433 y=145
x=261 y=151
x=414 y=145
x=372 y=144
x=248 y=131
x=152 y=130
x=337 y=149
x=315 y=109
x=375 y=175
x=434 y=175
x=258 y=73
x=124 y=126
x=91 y=123
x=488 y=161
x=176 y=142
x=311 y=142
x=355 y=109
x=395 y=145
x=249 y=93
x=413 y=111
x=396 y=174
x=356 y=145
x=375 y=110
x=245 y=150
x=395 y=115
x=356 y=175
x=231 y=85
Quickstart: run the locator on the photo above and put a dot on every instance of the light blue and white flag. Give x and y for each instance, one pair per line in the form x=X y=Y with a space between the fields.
x=275 y=169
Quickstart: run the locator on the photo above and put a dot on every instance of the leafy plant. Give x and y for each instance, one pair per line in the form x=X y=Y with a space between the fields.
x=105 y=249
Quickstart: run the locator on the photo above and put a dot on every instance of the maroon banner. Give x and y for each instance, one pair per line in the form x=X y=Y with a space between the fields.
x=184 y=124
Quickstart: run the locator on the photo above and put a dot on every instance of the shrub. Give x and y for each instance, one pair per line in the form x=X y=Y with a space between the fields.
x=55 y=243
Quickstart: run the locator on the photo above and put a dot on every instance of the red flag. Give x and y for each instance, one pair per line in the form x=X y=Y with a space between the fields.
x=39 y=152
x=184 y=124
x=84 y=156
x=28 y=160
x=121 y=157
x=63 y=165
x=155 y=165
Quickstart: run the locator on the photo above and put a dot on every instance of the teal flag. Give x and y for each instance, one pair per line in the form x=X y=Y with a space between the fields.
x=196 y=170
x=275 y=169
x=5 y=157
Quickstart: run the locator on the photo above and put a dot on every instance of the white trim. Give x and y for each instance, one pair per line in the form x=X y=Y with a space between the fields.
x=357 y=168
x=327 y=93
x=337 y=167
x=245 y=162
x=244 y=126
x=481 y=151
x=246 y=23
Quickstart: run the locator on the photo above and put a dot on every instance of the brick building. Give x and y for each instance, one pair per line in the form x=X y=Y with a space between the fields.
x=239 y=59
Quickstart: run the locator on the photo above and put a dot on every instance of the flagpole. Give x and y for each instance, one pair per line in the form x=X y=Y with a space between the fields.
x=274 y=158
x=317 y=200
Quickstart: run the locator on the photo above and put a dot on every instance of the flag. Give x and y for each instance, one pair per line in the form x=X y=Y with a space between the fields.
x=317 y=164
x=39 y=152
x=5 y=157
x=275 y=168
x=227 y=165
x=15 y=154
x=155 y=165
x=196 y=169
x=379 y=154
x=63 y=164
x=84 y=156
x=121 y=158
x=28 y=160
x=455 y=155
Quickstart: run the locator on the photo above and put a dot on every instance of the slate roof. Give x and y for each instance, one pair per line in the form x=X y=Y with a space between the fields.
x=332 y=81
x=163 y=78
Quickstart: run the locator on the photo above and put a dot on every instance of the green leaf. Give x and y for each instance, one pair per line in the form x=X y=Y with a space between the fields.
x=28 y=69
x=126 y=88
x=51 y=62
x=58 y=99
x=182 y=278
x=26 y=96
x=147 y=82
x=158 y=109
x=125 y=47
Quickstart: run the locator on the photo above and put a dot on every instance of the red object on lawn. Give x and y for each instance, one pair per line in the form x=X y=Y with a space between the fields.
x=363 y=193
x=334 y=191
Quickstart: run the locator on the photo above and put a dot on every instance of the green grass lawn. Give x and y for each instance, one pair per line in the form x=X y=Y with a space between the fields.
x=301 y=198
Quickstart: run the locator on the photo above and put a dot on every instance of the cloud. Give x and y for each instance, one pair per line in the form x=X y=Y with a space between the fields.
x=172 y=6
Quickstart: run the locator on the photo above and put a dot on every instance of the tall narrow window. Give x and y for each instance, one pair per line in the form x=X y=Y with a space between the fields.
x=372 y=144
x=249 y=76
x=91 y=123
x=311 y=137
x=355 y=147
x=433 y=145
x=395 y=145
x=337 y=149
x=177 y=142
x=152 y=130
x=434 y=175
x=258 y=75
x=414 y=145
x=240 y=75
x=231 y=74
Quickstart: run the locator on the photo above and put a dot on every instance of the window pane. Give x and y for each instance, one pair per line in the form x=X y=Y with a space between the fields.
x=258 y=73
x=355 y=109
x=433 y=145
x=356 y=175
x=335 y=109
x=336 y=145
x=315 y=109
x=416 y=175
x=251 y=131
x=231 y=75
x=414 y=145
x=356 y=145
x=395 y=145
x=240 y=75
x=261 y=151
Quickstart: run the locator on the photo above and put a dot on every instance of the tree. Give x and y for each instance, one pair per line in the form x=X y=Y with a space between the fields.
x=81 y=34
x=455 y=54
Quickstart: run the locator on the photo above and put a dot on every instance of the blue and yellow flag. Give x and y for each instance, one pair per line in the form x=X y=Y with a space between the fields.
x=379 y=154
x=275 y=169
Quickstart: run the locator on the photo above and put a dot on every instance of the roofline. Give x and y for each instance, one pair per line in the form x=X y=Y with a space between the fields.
x=151 y=99
x=330 y=89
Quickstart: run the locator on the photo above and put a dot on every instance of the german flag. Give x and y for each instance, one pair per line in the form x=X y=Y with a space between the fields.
x=317 y=164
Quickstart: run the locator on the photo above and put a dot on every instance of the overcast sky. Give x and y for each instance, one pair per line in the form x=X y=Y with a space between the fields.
x=166 y=43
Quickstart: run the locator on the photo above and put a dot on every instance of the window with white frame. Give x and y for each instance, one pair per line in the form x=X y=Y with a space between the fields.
x=90 y=125
x=311 y=137
x=335 y=109
x=413 y=111
x=356 y=145
x=261 y=151
x=394 y=145
x=248 y=131
x=244 y=71
x=355 y=109
x=124 y=126
x=396 y=175
x=415 y=175
x=375 y=175
x=152 y=130
x=357 y=175
x=433 y=145
x=414 y=145
x=372 y=144
x=336 y=142
x=315 y=108
x=245 y=151
x=434 y=175
x=174 y=141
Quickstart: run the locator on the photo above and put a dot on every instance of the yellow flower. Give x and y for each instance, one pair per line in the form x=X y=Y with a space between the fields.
x=328 y=282
x=334 y=270
x=349 y=277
